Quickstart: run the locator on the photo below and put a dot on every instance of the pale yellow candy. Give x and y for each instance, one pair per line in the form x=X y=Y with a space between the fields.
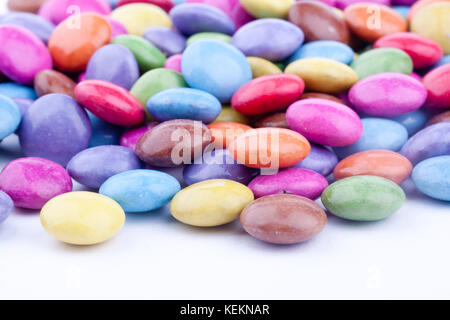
x=268 y=8
x=138 y=17
x=433 y=22
x=82 y=218
x=211 y=203
x=262 y=67
x=339 y=12
x=323 y=75
x=228 y=114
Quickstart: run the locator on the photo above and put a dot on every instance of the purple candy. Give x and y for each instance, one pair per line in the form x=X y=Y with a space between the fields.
x=174 y=63
x=23 y=104
x=169 y=41
x=6 y=206
x=55 y=127
x=131 y=137
x=342 y=4
x=403 y=2
x=320 y=160
x=32 y=22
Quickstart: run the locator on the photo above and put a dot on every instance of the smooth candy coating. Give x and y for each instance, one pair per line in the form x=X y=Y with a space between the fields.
x=110 y=102
x=140 y=190
x=387 y=94
x=72 y=47
x=224 y=5
x=22 y=54
x=225 y=132
x=275 y=120
x=93 y=166
x=309 y=117
x=51 y=81
x=201 y=69
x=320 y=160
x=6 y=206
x=210 y=203
x=318 y=95
x=113 y=63
x=10 y=116
x=15 y=90
x=174 y=63
x=117 y=28
x=62 y=119
x=217 y=164
x=432 y=177
x=228 y=114
x=103 y=133
x=131 y=137
x=267 y=8
x=381 y=163
x=25 y=5
x=283 y=219
x=419 y=5
x=301 y=182
x=441 y=117
x=378 y=133
x=166 y=5
x=23 y=104
x=192 y=18
x=342 y=4
x=267 y=94
x=167 y=40
x=31 y=182
x=262 y=67
x=34 y=23
x=382 y=60
x=436 y=81
x=184 y=103
x=433 y=141
x=284 y=36
x=323 y=75
x=173 y=142
x=82 y=218
x=412 y=121
x=138 y=17
x=59 y=10
x=329 y=49
x=208 y=35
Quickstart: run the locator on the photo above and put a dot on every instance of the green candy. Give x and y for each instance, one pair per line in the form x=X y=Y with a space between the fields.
x=147 y=55
x=363 y=198
x=382 y=60
x=210 y=36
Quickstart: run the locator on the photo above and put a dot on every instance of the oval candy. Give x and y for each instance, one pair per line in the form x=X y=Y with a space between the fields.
x=441 y=117
x=34 y=23
x=225 y=132
x=228 y=114
x=103 y=133
x=274 y=120
x=436 y=81
x=267 y=8
x=10 y=116
x=6 y=206
x=320 y=160
x=432 y=177
x=51 y=81
x=131 y=137
x=262 y=67
x=208 y=35
x=167 y=40
x=329 y=49
x=15 y=90
x=174 y=63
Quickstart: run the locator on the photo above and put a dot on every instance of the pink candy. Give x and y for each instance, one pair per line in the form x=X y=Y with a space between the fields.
x=174 y=63
x=131 y=137
x=58 y=10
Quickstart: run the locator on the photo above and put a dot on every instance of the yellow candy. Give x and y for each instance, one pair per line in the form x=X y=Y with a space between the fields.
x=268 y=8
x=433 y=22
x=228 y=114
x=82 y=218
x=262 y=67
x=138 y=17
x=323 y=75
x=210 y=203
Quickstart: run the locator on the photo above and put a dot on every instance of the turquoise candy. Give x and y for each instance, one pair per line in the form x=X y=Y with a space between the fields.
x=141 y=190
x=9 y=116
x=15 y=90
x=432 y=177
x=215 y=67
x=329 y=49
x=363 y=198
x=184 y=103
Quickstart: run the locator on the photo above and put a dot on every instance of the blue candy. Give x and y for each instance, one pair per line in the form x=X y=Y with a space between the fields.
x=402 y=10
x=10 y=117
x=412 y=121
x=333 y=50
x=15 y=90
x=103 y=133
x=432 y=177
x=444 y=60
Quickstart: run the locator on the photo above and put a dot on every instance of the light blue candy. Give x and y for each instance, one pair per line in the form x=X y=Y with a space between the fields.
x=15 y=90
x=141 y=190
x=333 y=50
x=402 y=10
x=103 y=133
x=9 y=116
x=184 y=103
x=378 y=134
x=412 y=121
x=432 y=177
x=215 y=67
x=444 y=60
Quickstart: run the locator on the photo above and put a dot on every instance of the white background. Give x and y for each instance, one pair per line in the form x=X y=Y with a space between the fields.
x=155 y=257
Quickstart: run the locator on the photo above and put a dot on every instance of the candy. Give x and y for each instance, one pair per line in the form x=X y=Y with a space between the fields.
x=173 y=142
x=93 y=166
x=262 y=67
x=15 y=90
x=60 y=10
x=167 y=40
x=432 y=177
x=210 y=203
x=323 y=75
x=301 y=182
x=208 y=35
x=283 y=219
x=275 y=120
x=110 y=102
x=441 y=117
x=285 y=37
x=225 y=132
x=10 y=117
x=22 y=54
x=31 y=182
x=309 y=117
x=267 y=94
x=117 y=28
x=82 y=218
x=412 y=121
x=23 y=104
x=34 y=23
x=103 y=133
x=51 y=81
x=224 y=5
x=381 y=163
x=131 y=137
x=318 y=95
x=387 y=95
x=436 y=82
x=174 y=63
x=184 y=103
x=363 y=198
x=113 y=63
x=267 y=8
x=329 y=49
x=419 y=5
x=140 y=190
x=25 y=5
x=55 y=127
x=6 y=206
x=166 y=5
x=382 y=60
x=74 y=42
x=320 y=160
x=342 y=4
x=228 y=114
x=202 y=70
x=138 y=17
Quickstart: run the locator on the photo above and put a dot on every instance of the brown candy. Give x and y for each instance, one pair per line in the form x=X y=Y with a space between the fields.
x=318 y=21
x=318 y=95
x=275 y=120
x=441 y=117
x=51 y=81
x=25 y=5
x=283 y=219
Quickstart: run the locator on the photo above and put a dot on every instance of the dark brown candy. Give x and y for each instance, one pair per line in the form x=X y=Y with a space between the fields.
x=51 y=81
x=275 y=120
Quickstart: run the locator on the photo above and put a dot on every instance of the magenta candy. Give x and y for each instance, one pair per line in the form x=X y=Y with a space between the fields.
x=301 y=182
x=31 y=182
x=131 y=137
x=325 y=122
x=45 y=11
x=342 y=4
x=59 y=10
x=22 y=54
x=223 y=5
x=117 y=27
x=416 y=76
x=239 y=15
x=82 y=77
x=174 y=63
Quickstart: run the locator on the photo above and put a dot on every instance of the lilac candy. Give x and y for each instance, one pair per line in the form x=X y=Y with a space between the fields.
x=55 y=127
x=169 y=41
x=131 y=137
x=32 y=22
x=6 y=206
x=320 y=160
x=23 y=104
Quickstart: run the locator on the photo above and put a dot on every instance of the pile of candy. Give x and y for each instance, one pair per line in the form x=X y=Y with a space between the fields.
x=251 y=99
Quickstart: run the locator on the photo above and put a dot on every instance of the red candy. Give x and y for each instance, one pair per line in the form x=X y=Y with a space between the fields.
x=110 y=102
x=437 y=83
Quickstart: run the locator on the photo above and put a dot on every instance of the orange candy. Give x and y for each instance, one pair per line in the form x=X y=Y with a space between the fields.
x=381 y=163
x=372 y=21
x=75 y=40
x=269 y=148
x=419 y=5
x=225 y=132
